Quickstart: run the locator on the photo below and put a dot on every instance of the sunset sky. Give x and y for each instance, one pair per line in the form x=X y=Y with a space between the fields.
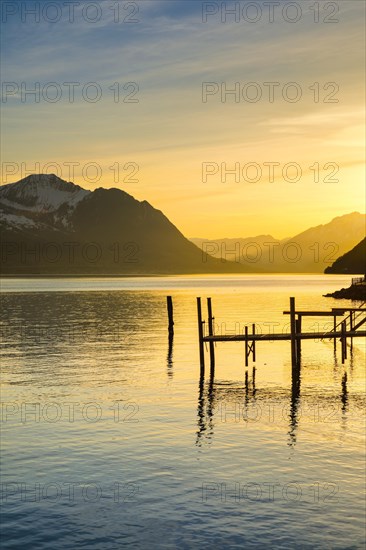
x=169 y=52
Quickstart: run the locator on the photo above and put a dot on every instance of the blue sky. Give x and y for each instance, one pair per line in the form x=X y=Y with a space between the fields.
x=169 y=53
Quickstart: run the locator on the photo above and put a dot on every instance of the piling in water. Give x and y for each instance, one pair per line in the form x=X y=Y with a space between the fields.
x=169 y=304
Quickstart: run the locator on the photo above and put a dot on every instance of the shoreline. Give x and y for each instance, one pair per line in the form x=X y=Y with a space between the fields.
x=353 y=292
x=143 y=275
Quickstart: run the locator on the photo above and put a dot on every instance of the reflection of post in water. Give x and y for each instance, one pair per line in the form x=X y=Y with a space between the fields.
x=211 y=319
x=170 y=354
x=169 y=303
x=295 y=401
x=246 y=383
x=249 y=397
x=205 y=409
x=210 y=404
x=344 y=394
x=201 y=410
x=335 y=367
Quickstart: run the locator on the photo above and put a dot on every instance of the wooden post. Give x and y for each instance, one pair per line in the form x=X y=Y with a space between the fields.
x=351 y=324
x=253 y=345
x=299 y=323
x=200 y=335
x=246 y=382
x=335 y=330
x=210 y=332
x=246 y=348
x=293 y=331
x=169 y=303
x=343 y=342
x=298 y=339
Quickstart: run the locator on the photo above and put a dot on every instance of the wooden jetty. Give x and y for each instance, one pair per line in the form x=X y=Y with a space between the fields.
x=348 y=327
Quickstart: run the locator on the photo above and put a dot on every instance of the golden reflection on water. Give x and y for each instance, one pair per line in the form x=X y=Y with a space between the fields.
x=178 y=427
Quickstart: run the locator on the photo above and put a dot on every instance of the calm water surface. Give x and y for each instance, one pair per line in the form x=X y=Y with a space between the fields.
x=110 y=439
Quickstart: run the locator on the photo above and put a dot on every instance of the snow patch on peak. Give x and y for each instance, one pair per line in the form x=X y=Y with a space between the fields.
x=41 y=193
x=17 y=221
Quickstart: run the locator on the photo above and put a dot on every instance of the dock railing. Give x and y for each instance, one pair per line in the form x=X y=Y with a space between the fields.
x=358 y=280
x=352 y=320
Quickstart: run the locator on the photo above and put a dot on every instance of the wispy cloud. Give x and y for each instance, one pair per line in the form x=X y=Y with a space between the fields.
x=169 y=54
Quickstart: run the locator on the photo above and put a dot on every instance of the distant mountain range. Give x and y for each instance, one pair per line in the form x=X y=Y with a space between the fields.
x=353 y=262
x=52 y=227
x=311 y=251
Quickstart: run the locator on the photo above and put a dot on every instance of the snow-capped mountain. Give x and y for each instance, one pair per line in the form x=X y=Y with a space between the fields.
x=41 y=193
x=50 y=226
x=39 y=200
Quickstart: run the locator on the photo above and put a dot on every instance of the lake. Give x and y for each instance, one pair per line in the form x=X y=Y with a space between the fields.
x=110 y=439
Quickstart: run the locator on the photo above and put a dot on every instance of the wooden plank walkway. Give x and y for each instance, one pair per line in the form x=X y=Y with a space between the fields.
x=270 y=337
x=347 y=328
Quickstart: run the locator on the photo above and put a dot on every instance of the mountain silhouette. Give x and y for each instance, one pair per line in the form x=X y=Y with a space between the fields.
x=353 y=262
x=310 y=251
x=50 y=226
